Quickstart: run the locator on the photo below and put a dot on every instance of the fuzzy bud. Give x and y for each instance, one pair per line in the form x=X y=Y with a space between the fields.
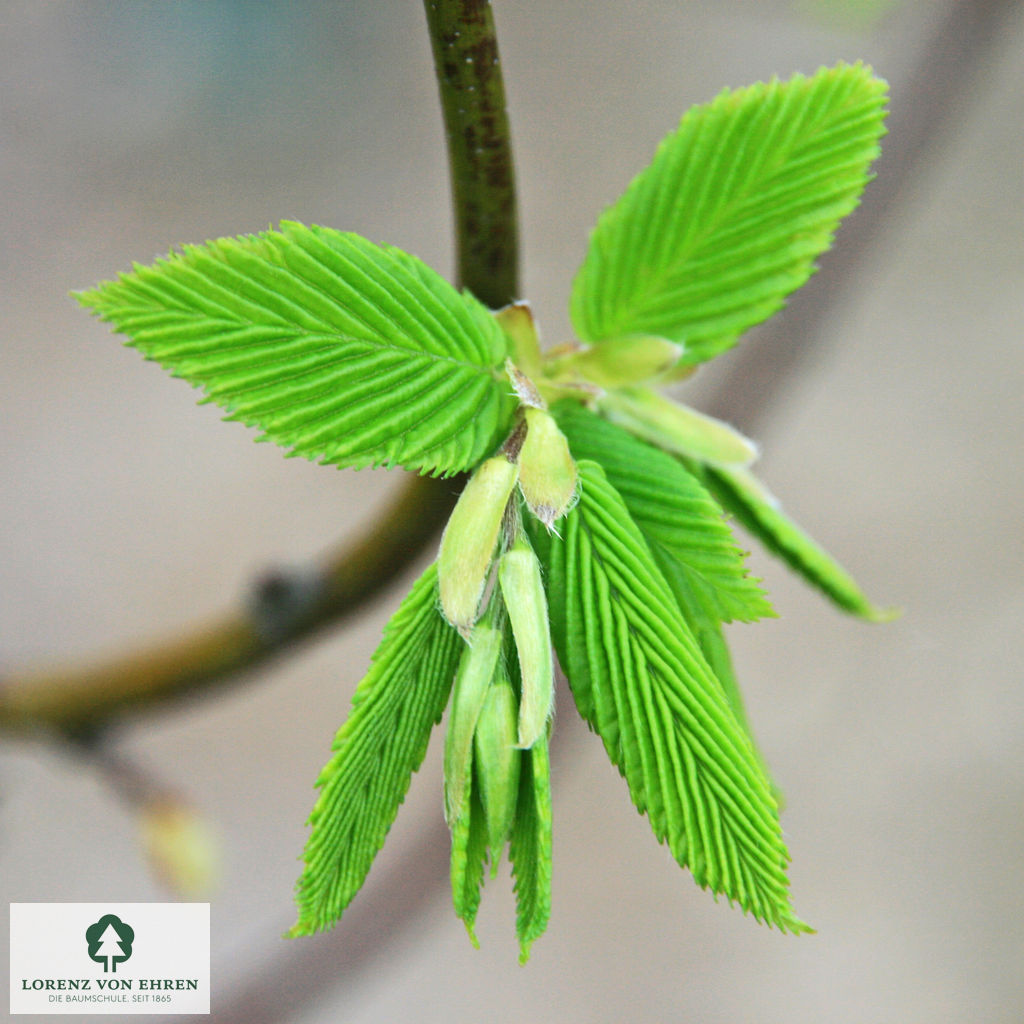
x=547 y=472
x=523 y=593
x=468 y=543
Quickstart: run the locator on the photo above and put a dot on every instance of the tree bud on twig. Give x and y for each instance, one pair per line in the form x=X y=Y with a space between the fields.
x=467 y=546
x=547 y=472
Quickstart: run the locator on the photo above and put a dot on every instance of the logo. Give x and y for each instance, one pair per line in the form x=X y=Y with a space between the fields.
x=75 y=958
x=110 y=941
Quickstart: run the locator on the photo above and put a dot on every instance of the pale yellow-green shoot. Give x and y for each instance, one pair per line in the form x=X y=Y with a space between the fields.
x=619 y=362
x=497 y=762
x=547 y=471
x=467 y=546
x=516 y=320
x=677 y=428
x=523 y=593
x=472 y=681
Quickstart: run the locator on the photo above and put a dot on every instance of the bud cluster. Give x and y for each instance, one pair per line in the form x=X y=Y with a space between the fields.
x=491 y=587
x=491 y=590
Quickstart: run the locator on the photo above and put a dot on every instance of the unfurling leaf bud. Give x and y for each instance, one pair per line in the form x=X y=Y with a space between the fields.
x=619 y=362
x=523 y=593
x=677 y=428
x=497 y=762
x=469 y=538
x=472 y=681
x=547 y=472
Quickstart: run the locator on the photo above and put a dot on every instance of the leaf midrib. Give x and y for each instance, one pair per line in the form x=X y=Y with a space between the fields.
x=293 y=330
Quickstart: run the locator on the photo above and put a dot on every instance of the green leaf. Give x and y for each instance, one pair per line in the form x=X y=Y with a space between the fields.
x=639 y=679
x=731 y=214
x=530 y=847
x=685 y=530
x=758 y=510
x=472 y=681
x=340 y=350
x=469 y=858
x=681 y=522
x=711 y=639
x=375 y=753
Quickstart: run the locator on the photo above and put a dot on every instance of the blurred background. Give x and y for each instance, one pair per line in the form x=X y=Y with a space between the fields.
x=887 y=402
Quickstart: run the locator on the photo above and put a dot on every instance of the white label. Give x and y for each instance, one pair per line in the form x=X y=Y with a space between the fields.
x=110 y=958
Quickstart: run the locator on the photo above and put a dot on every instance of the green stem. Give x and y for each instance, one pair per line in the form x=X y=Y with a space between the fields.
x=479 y=147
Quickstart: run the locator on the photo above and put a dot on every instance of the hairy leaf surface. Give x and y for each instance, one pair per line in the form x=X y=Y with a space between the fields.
x=731 y=214
x=338 y=349
x=758 y=510
x=639 y=679
x=681 y=522
x=375 y=753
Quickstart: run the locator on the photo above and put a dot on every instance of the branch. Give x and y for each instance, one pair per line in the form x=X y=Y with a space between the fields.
x=283 y=607
x=479 y=148
x=288 y=606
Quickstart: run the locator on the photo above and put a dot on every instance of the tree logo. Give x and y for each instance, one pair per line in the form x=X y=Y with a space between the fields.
x=110 y=942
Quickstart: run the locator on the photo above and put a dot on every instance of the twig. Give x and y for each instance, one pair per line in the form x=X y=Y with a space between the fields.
x=479 y=147
x=283 y=607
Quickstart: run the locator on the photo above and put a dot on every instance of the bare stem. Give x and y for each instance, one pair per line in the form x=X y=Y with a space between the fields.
x=479 y=147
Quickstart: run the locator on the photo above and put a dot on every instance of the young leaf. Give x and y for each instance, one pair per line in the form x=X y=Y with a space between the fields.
x=676 y=428
x=497 y=762
x=472 y=681
x=683 y=526
x=711 y=639
x=469 y=858
x=731 y=214
x=758 y=510
x=522 y=589
x=338 y=349
x=639 y=679
x=375 y=753
x=530 y=848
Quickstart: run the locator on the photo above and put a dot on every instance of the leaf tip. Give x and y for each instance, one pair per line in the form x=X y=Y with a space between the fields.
x=888 y=614
x=795 y=926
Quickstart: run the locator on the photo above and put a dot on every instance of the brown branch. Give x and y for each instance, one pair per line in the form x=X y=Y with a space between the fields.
x=479 y=147
x=283 y=608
